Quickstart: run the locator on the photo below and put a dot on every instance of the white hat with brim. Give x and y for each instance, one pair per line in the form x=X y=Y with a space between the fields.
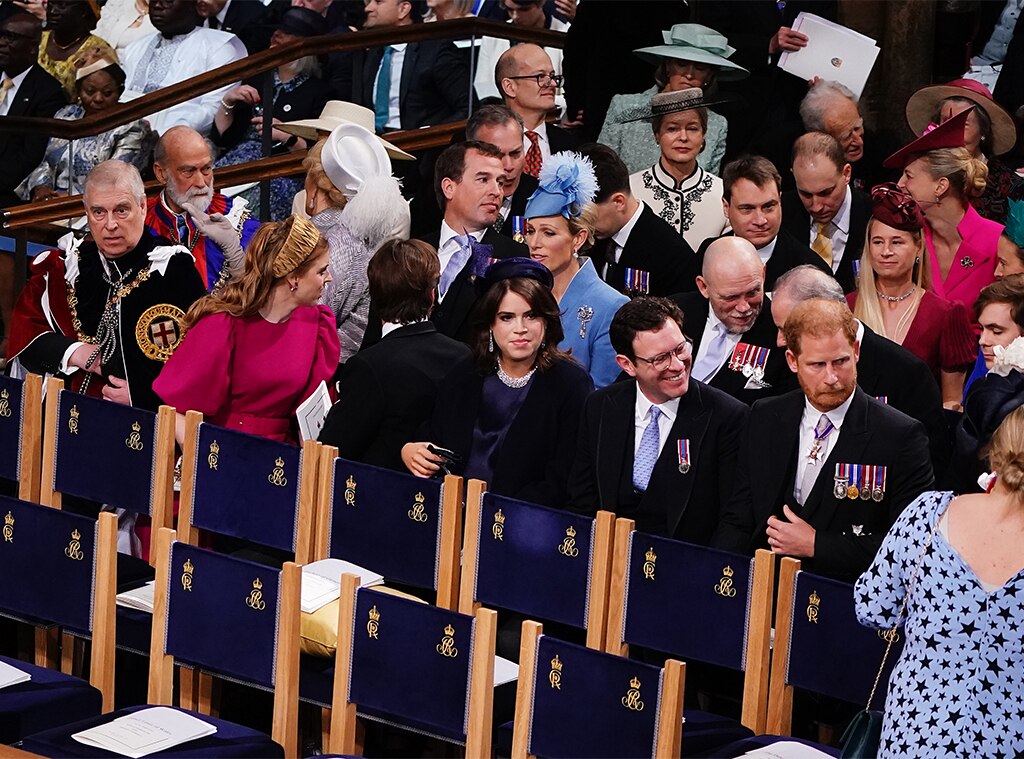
x=352 y=155
x=697 y=43
x=334 y=114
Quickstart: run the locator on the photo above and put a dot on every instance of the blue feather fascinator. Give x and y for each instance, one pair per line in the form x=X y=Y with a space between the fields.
x=566 y=184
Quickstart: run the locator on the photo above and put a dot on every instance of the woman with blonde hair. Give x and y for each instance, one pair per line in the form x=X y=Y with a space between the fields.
x=893 y=298
x=258 y=348
x=951 y=572
x=942 y=176
x=355 y=202
x=560 y=219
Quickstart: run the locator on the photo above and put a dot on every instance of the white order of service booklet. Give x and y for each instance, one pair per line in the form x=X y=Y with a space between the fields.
x=833 y=52
x=146 y=731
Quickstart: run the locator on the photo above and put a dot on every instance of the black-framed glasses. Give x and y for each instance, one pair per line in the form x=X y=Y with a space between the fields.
x=662 y=361
x=542 y=80
x=7 y=34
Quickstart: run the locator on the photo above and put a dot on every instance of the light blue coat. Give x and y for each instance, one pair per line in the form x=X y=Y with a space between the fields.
x=588 y=296
x=634 y=141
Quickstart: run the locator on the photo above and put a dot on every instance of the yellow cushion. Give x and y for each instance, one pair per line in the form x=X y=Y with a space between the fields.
x=319 y=630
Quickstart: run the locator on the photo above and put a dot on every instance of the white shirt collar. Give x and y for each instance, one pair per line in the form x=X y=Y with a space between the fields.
x=447 y=233
x=16 y=80
x=860 y=331
x=223 y=13
x=842 y=217
x=643 y=407
x=836 y=415
x=389 y=327
x=620 y=237
x=766 y=252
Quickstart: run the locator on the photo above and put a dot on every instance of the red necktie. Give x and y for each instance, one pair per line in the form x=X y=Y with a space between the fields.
x=533 y=156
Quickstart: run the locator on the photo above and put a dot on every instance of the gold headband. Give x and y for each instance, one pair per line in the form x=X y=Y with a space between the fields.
x=302 y=240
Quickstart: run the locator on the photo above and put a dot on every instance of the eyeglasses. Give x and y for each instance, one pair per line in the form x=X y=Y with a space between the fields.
x=542 y=80
x=9 y=36
x=662 y=361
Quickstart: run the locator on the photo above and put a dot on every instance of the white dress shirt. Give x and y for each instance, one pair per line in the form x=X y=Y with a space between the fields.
x=838 y=231
x=711 y=326
x=447 y=246
x=808 y=422
x=13 y=92
x=765 y=252
x=642 y=417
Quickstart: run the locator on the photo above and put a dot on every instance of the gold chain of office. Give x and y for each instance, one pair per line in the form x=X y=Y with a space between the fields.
x=121 y=292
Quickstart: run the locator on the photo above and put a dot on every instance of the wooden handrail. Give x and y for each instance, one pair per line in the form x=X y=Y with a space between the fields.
x=33 y=215
x=270 y=59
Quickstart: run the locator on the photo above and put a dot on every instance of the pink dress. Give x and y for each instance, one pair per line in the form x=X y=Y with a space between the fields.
x=974 y=265
x=249 y=374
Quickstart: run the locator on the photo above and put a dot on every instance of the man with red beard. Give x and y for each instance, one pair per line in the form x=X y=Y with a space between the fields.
x=825 y=470
x=189 y=212
x=660 y=449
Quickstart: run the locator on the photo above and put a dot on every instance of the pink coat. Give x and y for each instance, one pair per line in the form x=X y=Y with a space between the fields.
x=974 y=264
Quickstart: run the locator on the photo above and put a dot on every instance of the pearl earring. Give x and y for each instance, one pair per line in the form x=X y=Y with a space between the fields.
x=293 y=287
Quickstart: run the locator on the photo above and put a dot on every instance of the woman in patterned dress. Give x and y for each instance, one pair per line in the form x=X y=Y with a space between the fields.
x=676 y=187
x=958 y=687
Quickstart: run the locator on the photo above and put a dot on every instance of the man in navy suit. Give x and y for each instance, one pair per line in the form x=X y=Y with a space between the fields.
x=825 y=470
x=660 y=449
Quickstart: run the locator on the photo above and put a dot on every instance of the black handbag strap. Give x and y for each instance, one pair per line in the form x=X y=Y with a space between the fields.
x=892 y=634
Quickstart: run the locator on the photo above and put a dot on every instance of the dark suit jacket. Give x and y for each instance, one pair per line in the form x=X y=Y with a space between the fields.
x=797 y=222
x=434 y=88
x=534 y=459
x=251 y=23
x=387 y=392
x=560 y=139
x=762 y=333
x=682 y=506
x=39 y=95
x=872 y=433
x=655 y=247
x=789 y=253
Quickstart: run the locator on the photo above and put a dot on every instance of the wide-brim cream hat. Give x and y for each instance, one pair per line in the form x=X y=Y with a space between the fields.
x=924 y=104
x=334 y=114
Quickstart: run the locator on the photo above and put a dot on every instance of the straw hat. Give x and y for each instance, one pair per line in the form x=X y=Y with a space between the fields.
x=334 y=114
x=924 y=104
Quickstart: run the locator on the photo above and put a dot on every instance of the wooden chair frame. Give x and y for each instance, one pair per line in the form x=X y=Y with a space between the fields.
x=162 y=495
x=780 y=694
x=30 y=455
x=451 y=527
x=189 y=533
x=600 y=569
x=285 y=723
x=670 y=718
x=345 y=735
x=755 y=681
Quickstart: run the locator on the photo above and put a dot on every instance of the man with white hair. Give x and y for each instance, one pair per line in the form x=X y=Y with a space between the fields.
x=189 y=212
x=106 y=314
x=831 y=107
x=730 y=322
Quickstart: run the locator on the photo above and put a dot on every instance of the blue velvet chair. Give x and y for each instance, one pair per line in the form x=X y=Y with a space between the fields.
x=660 y=586
x=21 y=433
x=819 y=647
x=109 y=453
x=544 y=563
x=59 y=569
x=405 y=528
x=224 y=615
x=410 y=664
x=248 y=487
x=573 y=701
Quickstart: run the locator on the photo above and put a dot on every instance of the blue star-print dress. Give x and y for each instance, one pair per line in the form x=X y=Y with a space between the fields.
x=958 y=689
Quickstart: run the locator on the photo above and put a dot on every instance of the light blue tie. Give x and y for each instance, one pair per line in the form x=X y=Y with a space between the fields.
x=455 y=264
x=647 y=453
x=712 y=361
x=382 y=95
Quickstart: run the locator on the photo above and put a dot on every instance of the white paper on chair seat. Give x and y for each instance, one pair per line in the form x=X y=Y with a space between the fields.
x=146 y=732
x=505 y=671
x=321 y=581
x=140 y=599
x=787 y=750
x=833 y=52
x=12 y=675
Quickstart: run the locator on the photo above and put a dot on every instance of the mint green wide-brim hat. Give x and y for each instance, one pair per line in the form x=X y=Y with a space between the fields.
x=698 y=43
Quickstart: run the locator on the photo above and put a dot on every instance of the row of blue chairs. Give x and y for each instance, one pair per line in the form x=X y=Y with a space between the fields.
x=620 y=587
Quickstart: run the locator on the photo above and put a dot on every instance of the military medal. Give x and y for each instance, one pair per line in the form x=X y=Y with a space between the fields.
x=818 y=437
x=518 y=227
x=852 y=492
x=759 y=362
x=683 y=447
x=879 y=490
x=739 y=357
x=858 y=529
x=842 y=478
x=865 y=485
x=638 y=282
x=882 y=399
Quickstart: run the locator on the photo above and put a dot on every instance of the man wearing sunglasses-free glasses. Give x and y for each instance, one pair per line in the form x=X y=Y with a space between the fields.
x=660 y=448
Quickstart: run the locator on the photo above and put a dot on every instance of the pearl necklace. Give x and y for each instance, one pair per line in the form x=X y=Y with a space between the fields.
x=514 y=382
x=897 y=298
